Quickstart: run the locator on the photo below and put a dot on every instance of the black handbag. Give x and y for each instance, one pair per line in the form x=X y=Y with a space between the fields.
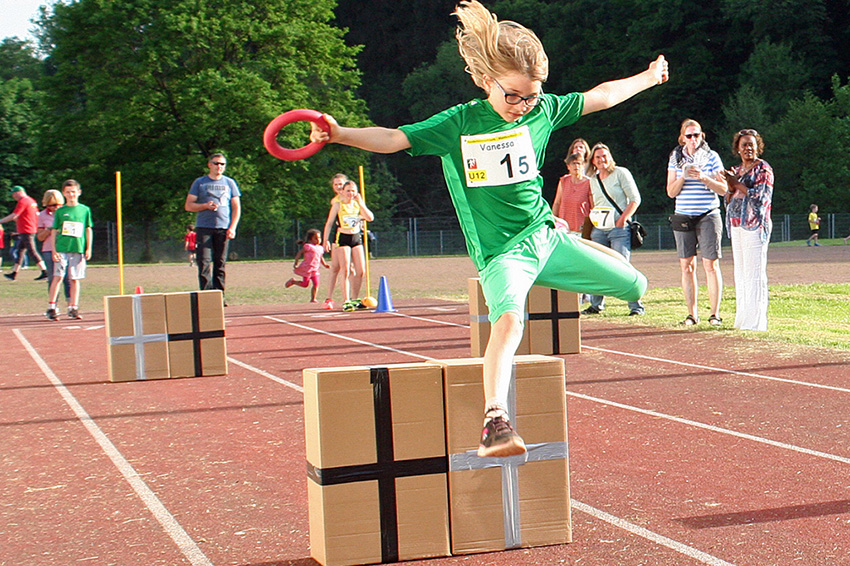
x=636 y=229
x=685 y=222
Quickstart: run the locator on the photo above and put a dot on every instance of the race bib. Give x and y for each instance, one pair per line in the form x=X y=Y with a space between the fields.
x=603 y=217
x=502 y=158
x=351 y=220
x=73 y=229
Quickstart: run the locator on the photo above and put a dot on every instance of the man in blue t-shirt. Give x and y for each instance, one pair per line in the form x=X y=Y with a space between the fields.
x=216 y=199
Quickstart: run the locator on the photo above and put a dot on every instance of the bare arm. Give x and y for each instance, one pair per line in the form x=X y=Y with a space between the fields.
x=235 y=215
x=192 y=204
x=328 y=224
x=89 y=236
x=374 y=139
x=556 y=204
x=611 y=93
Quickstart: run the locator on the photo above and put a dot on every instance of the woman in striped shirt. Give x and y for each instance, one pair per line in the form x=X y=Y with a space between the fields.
x=695 y=179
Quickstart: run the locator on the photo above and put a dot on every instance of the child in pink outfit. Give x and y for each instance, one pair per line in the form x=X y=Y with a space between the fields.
x=311 y=255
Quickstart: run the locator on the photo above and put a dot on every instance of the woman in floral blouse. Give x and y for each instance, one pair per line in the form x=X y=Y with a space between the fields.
x=749 y=225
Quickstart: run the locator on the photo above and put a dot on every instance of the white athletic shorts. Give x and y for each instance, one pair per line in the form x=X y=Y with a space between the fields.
x=73 y=263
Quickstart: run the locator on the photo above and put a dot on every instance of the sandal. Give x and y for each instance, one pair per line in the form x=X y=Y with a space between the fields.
x=690 y=320
x=715 y=320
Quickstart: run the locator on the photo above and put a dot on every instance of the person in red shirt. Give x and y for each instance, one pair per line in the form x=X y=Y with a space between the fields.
x=189 y=241
x=25 y=216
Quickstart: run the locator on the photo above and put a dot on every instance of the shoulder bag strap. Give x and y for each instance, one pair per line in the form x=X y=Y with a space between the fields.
x=604 y=192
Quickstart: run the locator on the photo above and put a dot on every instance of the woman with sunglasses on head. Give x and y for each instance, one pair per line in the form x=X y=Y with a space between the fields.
x=748 y=205
x=51 y=201
x=491 y=151
x=695 y=179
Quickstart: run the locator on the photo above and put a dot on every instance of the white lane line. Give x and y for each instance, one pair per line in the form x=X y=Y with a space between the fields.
x=720 y=370
x=431 y=320
x=264 y=373
x=679 y=547
x=713 y=428
x=180 y=537
x=341 y=337
x=686 y=364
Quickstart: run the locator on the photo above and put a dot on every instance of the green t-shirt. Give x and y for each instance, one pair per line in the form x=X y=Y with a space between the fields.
x=491 y=167
x=71 y=223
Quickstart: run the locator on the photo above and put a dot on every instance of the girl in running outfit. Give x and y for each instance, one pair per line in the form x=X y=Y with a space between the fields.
x=350 y=211
x=491 y=150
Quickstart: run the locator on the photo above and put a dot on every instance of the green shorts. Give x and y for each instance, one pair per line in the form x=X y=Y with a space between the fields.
x=558 y=260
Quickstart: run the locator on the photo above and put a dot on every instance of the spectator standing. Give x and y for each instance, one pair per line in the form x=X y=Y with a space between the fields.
x=695 y=179
x=613 y=187
x=216 y=199
x=572 y=199
x=51 y=201
x=25 y=216
x=71 y=240
x=749 y=202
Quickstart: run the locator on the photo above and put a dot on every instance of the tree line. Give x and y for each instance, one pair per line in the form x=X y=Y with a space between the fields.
x=152 y=87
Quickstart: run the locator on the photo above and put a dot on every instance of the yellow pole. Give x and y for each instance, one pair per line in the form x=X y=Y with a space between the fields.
x=120 y=226
x=365 y=235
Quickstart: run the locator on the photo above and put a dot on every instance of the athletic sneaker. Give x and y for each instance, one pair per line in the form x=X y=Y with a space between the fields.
x=74 y=313
x=498 y=439
x=328 y=305
x=351 y=305
x=10 y=276
x=41 y=277
x=52 y=314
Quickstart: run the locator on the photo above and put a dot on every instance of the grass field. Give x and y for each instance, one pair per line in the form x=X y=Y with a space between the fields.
x=809 y=290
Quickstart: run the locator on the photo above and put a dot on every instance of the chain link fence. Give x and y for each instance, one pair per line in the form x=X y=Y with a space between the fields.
x=396 y=237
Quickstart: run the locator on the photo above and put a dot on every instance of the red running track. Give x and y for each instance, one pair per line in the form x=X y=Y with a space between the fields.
x=686 y=447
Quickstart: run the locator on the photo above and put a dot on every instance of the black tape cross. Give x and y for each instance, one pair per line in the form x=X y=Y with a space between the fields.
x=196 y=335
x=556 y=317
x=385 y=470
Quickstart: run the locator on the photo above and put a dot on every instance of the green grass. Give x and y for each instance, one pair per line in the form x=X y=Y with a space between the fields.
x=806 y=315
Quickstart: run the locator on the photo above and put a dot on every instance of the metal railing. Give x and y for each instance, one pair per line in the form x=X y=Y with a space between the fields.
x=400 y=237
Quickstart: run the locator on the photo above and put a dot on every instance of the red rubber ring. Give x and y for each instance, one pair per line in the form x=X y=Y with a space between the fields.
x=274 y=127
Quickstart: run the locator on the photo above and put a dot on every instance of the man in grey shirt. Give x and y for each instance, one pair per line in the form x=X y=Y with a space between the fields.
x=216 y=200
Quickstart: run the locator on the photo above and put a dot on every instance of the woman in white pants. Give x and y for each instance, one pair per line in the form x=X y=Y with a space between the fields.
x=748 y=205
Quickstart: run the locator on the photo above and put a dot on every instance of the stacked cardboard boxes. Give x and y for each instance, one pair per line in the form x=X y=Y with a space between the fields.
x=552 y=324
x=157 y=336
x=393 y=471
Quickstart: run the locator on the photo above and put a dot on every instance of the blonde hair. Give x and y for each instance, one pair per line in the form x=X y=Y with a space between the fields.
x=611 y=163
x=497 y=48
x=687 y=124
x=52 y=196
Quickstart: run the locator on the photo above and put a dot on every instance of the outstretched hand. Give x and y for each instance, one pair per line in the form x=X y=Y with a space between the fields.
x=318 y=135
x=660 y=70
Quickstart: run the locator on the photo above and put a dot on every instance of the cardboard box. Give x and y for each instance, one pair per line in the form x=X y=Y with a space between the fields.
x=479 y=324
x=552 y=324
x=376 y=462
x=520 y=501
x=196 y=345
x=137 y=342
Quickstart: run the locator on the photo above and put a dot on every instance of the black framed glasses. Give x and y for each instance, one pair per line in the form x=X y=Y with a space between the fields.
x=514 y=99
x=218 y=163
x=691 y=136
